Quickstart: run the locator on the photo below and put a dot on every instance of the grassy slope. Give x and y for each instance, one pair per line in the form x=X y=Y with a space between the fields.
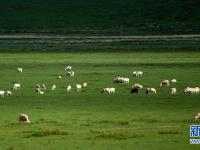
x=90 y=120
x=100 y=17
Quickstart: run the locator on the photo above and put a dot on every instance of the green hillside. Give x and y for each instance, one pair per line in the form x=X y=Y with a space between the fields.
x=101 y=17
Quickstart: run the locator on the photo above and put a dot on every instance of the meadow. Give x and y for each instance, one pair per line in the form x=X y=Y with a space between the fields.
x=89 y=119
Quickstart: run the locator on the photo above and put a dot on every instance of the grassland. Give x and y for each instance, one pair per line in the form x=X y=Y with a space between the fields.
x=91 y=120
x=105 y=17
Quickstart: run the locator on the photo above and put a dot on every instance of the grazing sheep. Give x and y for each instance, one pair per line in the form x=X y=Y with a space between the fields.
x=197 y=116
x=121 y=79
x=53 y=87
x=19 y=69
x=59 y=77
x=70 y=73
x=189 y=90
x=23 y=118
x=8 y=93
x=68 y=68
x=137 y=85
x=2 y=93
x=108 y=90
x=173 y=90
x=151 y=90
x=165 y=83
x=69 y=87
x=137 y=73
x=84 y=84
x=16 y=86
x=78 y=86
x=173 y=81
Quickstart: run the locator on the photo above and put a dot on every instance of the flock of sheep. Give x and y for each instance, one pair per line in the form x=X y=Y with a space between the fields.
x=40 y=90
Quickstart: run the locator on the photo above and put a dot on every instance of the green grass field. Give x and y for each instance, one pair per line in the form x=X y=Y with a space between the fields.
x=90 y=120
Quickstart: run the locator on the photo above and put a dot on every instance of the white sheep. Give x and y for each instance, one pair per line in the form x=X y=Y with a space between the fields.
x=137 y=73
x=2 y=93
x=68 y=68
x=173 y=90
x=121 y=79
x=16 y=86
x=69 y=87
x=70 y=73
x=84 y=84
x=108 y=90
x=151 y=90
x=78 y=86
x=19 y=69
x=23 y=118
x=173 y=81
x=39 y=92
x=137 y=85
x=197 y=116
x=190 y=90
x=43 y=87
x=59 y=77
x=8 y=93
x=53 y=87
x=165 y=83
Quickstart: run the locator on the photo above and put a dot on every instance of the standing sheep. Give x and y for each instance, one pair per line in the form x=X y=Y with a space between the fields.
x=53 y=87
x=69 y=87
x=173 y=90
x=19 y=69
x=78 y=86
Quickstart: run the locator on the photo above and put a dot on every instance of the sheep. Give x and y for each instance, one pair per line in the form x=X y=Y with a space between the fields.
x=70 y=73
x=151 y=90
x=84 y=84
x=59 y=77
x=19 y=69
x=189 y=90
x=69 y=87
x=23 y=118
x=121 y=79
x=68 y=68
x=43 y=87
x=8 y=93
x=173 y=90
x=108 y=90
x=39 y=92
x=16 y=86
x=137 y=85
x=165 y=83
x=53 y=87
x=173 y=81
x=78 y=86
x=2 y=93
x=137 y=73
x=197 y=116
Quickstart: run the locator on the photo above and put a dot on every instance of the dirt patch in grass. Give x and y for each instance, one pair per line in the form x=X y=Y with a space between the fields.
x=116 y=122
x=169 y=132
x=119 y=135
x=47 y=132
